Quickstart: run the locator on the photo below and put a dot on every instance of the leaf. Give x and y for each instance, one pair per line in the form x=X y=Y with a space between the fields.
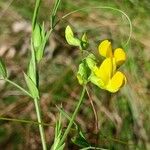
x=31 y=86
x=40 y=50
x=58 y=135
x=3 y=71
x=54 y=11
x=37 y=37
x=62 y=147
x=40 y=53
x=80 y=140
x=70 y=37
x=32 y=66
x=43 y=31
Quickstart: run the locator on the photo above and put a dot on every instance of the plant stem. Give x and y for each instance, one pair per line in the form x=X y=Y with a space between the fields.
x=18 y=86
x=23 y=121
x=36 y=9
x=94 y=110
x=41 y=129
x=73 y=116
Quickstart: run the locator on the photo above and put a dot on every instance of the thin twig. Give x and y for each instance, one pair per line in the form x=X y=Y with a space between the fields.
x=24 y=121
x=95 y=115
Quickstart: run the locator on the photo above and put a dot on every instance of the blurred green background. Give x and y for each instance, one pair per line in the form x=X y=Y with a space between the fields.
x=124 y=117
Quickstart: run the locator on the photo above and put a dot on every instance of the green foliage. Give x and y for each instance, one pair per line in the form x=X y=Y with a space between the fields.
x=37 y=37
x=91 y=61
x=39 y=41
x=53 y=14
x=106 y=24
x=71 y=39
x=3 y=71
x=80 y=140
x=83 y=73
x=32 y=87
x=58 y=135
x=74 y=41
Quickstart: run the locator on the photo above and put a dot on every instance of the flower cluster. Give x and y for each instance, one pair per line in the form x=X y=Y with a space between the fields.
x=107 y=76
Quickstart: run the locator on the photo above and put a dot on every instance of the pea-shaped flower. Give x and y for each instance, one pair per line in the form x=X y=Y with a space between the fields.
x=106 y=75
x=105 y=50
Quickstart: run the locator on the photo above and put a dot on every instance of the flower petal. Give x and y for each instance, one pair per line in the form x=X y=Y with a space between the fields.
x=104 y=72
x=120 y=56
x=117 y=81
x=105 y=48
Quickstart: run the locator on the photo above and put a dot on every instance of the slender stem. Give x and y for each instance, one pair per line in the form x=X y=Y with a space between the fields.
x=23 y=121
x=94 y=110
x=73 y=116
x=18 y=86
x=103 y=7
x=36 y=101
x=95 y=115
x=41 y=129
x=36 y=9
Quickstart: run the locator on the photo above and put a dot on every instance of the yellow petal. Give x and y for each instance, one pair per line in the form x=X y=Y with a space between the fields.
x=105 y=48
x=120 y=56
x=117 y=81
x=104 y=72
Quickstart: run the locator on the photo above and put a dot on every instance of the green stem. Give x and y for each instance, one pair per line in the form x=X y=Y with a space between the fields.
x=41 y=129
x=102 y=7
x=36 y=9
x=23 y=121
x=73 y=116
x=19 y=87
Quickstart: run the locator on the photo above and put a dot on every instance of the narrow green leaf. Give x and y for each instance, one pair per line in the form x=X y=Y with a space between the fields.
x=54 y=11
x=70 y=37
x=43 y=33
x=32 y=66
x=80 y=140
x=62 y=147
x=3 y=71
x=58 y=135
x=40 y=53
x=37 y=37
x=40 y=49
x=31 y=86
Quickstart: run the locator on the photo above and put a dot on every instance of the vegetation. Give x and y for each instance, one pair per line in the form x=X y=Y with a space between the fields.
x=102 y=120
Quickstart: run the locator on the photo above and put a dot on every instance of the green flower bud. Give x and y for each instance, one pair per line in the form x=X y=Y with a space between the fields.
x=70 y=37
x=84 y=42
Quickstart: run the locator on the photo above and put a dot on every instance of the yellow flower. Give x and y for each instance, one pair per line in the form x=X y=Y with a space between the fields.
x=105 y=49
x=106 y=76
